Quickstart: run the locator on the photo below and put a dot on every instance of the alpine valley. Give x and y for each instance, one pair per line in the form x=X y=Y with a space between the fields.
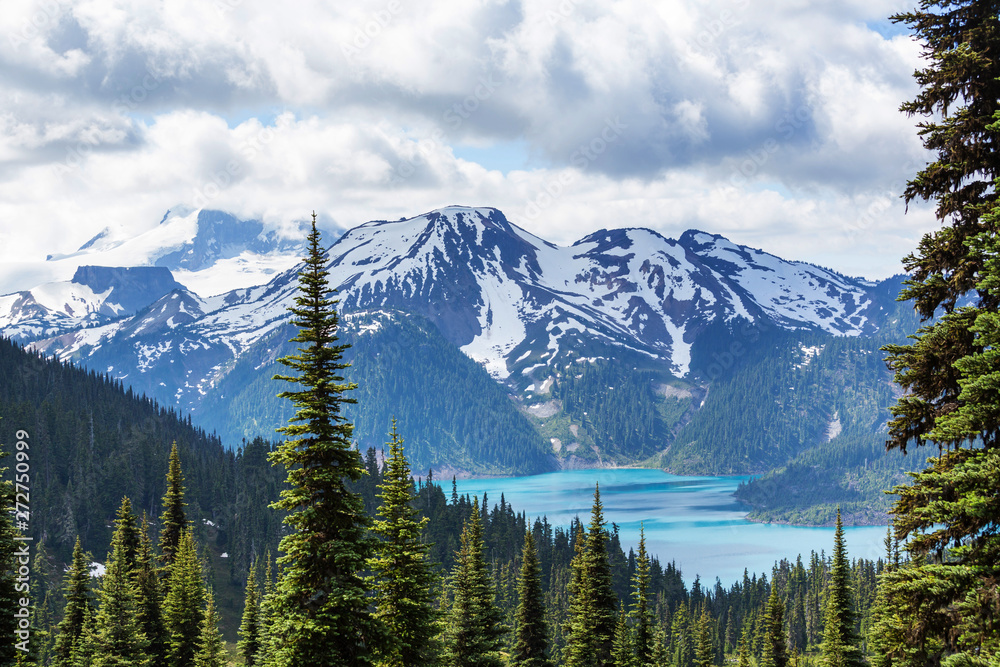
x=502 y=353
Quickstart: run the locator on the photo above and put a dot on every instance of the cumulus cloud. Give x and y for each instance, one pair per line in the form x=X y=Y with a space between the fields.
x=778 y=128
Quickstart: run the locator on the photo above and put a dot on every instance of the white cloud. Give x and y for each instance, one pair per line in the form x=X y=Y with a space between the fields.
x=779 y=128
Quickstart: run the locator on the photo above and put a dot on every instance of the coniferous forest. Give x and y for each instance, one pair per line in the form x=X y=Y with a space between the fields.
x=310 y=552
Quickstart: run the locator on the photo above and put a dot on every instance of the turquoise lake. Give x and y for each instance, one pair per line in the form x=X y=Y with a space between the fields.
x=693 y=521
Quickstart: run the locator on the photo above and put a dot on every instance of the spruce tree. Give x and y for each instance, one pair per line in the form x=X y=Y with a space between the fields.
x=249 y=643
x=775 y=651
x=948 y=375
x=403 y=578
x=266 y=618
x=475 y=629
x=118 y=639
x=173 y=520
x=211 y=646
x=622 y=652
x=841 y=645
x=77 y=610
x=743 y=649
x=642 y=624
x=183 y=608
x=681 y=641
x=531 y=635
x=659 y=654
x=591 y=619
x=149 y=612
x=704 y=651
x=321 y=603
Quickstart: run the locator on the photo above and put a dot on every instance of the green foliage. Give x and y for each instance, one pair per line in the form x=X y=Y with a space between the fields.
x=117 y=639
x=640 y=613
x=183 y=607
x=475 y=629
x=77 y=609
x=149 y=612
x=704 y=651
x=249 y=643
x=211 y=646
x=590 y=627
x=9 y=557
x=173 y=519
x=775 y=652
x=841 y=645
x=531 y=631
x=321 y=605
x=403 y=580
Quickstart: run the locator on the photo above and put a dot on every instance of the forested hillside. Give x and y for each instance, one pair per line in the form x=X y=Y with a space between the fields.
x=457 y=416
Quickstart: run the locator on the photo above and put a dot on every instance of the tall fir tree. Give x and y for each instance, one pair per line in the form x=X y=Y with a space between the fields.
x=173 y=518
x=322 y=613
x=592 y=616
x=743 y=649
x=531 y=642
x=622 y=650
x=77 y=610
x=266 y=618
x=642 y=622
x=149 y=611
x=659 y=654
x=681 y=640
x=704 y=650
x=249 y=644
x=403 y=578
x=474 y=632
x=118 y=639
x=841 y=644
x=948 y=376
x=775 y=651
x=183 y=608
x=211 y=646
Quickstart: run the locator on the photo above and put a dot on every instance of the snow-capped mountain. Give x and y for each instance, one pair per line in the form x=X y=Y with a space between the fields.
x=507 y=298
x=210 y=252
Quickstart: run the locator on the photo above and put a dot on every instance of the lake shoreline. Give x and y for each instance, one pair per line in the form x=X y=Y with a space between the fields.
x=753 y=515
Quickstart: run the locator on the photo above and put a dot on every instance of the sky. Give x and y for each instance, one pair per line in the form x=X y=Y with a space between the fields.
x=775 y=124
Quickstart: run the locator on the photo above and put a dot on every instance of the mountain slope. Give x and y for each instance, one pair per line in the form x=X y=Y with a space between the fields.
x=672 y=326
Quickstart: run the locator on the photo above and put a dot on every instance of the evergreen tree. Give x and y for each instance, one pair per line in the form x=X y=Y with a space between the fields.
x=267 y=604
x=704 y=651
x=118 y=640
x=591 y=619
x=9 y=597
x=183 y=607
x=173 y=520
x=681 y=643
x=211 y=645
x=743 y=650
x=402 y=575
x=642 y=625
x=249 y=643
x=321 y=604
x=948 y=376
x=532 y=640
x=622 y=651
x=475 y=628
x=840 y=647
x=149 y=612
x=659 y=654
x=775 y=653
x=77 y=609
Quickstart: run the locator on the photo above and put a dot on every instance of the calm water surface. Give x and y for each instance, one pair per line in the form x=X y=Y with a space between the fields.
x=693 y=521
